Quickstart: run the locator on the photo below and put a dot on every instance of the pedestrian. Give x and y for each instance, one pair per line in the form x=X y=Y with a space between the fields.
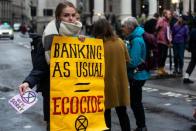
x=116 y=81
x=23 y=28
x=192 y=49
x=180 y=32
x=163 y=40
x=150 y=31
x=137 y=74
x=64 y=24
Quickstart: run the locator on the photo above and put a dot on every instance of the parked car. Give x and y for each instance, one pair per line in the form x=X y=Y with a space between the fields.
x=16 y=26
x=6 y=31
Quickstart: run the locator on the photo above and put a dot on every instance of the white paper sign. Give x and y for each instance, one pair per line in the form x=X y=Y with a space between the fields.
x=24 y=102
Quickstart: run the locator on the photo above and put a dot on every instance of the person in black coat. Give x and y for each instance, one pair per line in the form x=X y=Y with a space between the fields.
x=192 y=49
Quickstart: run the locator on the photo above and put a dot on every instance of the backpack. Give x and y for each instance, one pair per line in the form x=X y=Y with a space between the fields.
x=38 y=57
x=150 y=43
x=151 y=48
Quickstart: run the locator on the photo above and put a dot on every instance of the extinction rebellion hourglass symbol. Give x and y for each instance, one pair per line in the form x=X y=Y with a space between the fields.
x=81 y=123
x=28 y=97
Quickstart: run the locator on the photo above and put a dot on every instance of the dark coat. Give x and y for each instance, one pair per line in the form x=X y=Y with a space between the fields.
x=40 y=74
x=42 y=80
x=192 y=42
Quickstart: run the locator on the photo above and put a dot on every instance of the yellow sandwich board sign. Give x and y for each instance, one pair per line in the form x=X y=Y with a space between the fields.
x=77 y=84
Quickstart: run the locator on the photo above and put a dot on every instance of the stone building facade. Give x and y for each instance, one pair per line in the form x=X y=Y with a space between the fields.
x=42 y=11
x=12 y=11
x=5 y=11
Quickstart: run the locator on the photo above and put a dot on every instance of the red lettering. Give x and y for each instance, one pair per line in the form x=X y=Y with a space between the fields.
x=83 y=110
x=94 y=104
x=64 y=101
x=75 y=105
x=55 y=105
x=72 y=102
x=99 y=102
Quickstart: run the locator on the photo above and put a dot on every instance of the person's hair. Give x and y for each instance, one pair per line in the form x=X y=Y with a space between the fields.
x=150 y=26
x=61 y=6
x=102 y=29
x=130 y=21
x=156 y=15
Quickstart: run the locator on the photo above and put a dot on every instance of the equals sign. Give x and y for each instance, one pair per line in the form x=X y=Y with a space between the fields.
x=82 y=84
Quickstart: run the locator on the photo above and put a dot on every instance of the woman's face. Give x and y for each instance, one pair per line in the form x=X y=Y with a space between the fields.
x=68 y=15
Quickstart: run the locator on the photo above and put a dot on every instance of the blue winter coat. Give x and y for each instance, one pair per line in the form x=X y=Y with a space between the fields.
x=137 y=52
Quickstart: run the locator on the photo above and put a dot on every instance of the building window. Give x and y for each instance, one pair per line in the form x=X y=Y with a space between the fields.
x=48 y=12
x=145 y=7
x=33 y=11
x=194 y=6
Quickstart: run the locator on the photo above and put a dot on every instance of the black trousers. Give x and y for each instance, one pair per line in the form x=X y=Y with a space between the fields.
x=178 y=49
x=192 y=64
x=123 y=118
x=162 y=51
x=46 y=110
x=136 y=101
x=47 y=126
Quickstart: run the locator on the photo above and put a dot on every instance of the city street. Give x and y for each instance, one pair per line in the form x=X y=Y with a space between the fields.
x=168 y=102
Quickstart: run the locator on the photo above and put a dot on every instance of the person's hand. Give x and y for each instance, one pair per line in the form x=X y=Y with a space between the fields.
x=81 y=38
x=194 y=113
x=23 y=88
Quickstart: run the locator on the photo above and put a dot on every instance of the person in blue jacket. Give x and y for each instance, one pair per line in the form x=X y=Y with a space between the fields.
x=137 y=72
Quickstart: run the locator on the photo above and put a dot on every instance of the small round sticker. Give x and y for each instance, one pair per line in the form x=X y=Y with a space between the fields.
x=28 y=97
x=81 y=123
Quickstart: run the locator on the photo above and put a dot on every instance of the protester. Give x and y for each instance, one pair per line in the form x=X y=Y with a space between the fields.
x=137 y=73
x=23 y=28
x=163 y=40
x=150 y=32
x=78 y=16
x=116 y=80
x=64 y=24
x=180 y=32
x=192 y=49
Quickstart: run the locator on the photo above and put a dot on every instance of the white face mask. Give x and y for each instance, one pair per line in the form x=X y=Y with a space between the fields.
x=68 y=29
